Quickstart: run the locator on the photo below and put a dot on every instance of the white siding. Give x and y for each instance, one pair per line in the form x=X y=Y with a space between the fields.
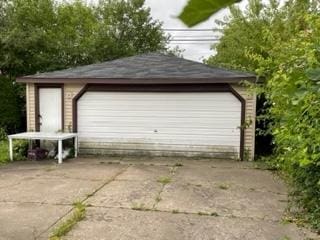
x=160 y=123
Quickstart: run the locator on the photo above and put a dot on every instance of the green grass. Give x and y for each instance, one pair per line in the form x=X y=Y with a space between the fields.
x=4 y=152
x=79 y=213
x=224 y=186
x=139 y=207
x=164 y=180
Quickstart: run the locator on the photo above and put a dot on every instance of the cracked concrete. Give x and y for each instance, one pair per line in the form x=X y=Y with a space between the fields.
x=205 y=199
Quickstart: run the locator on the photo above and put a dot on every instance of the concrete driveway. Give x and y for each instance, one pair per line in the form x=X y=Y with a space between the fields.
x=141 y=199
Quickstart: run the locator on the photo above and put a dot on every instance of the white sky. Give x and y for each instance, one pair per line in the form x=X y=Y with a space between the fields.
x=167 y=10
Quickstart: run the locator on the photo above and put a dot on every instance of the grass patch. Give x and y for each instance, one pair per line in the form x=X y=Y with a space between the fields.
x=224 y=186
x=4 y=152
x=178 y=164
x=164 y=180
x=214 y=214
x=139 y=207
x=79 y=213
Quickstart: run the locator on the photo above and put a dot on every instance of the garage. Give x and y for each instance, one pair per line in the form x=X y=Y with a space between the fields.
x=149 y=104
x=160 y=123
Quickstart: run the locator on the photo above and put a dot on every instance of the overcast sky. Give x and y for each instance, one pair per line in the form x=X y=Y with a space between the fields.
x=167 y=10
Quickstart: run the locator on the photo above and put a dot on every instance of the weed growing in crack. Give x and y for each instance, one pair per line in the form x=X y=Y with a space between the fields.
x=158 y=199
x=139 y=207
x=79 y=213
x=224 y=186
x=178 y=164
x=175 y=211
x=214 y=214
x=164 y=180
x=203 y=214
x=172 y=170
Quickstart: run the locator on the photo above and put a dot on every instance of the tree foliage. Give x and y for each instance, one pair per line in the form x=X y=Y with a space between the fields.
x=45 y=35
x=282 y=45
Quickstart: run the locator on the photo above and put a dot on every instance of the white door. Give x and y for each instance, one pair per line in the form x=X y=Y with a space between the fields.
x=163 y=123
x=50 y=112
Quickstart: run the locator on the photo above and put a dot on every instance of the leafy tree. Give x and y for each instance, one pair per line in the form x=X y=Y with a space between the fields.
x=127 y=28
x=45 y=35
x=282 y=45
x=75 y=32
x=25 y=36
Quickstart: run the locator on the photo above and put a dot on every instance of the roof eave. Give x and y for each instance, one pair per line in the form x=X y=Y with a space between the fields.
x=136 y=80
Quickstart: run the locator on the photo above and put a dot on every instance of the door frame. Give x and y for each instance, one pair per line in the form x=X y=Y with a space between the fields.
x=219 y=87
x=37 y=103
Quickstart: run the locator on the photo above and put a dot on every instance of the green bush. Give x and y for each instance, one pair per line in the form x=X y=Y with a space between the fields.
x=281 y=43
x=4 y=152
x=20 y=149
x=3 y=134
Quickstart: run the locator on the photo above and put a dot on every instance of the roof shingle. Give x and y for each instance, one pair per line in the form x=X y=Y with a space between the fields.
x=145 y=66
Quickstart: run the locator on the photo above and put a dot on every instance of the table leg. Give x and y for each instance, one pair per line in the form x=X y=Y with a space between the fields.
x=75 y=146
x=59 y=151
x=10 y=149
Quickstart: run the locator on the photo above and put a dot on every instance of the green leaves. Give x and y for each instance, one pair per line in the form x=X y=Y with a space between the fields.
x=313 y=74
x=46 y=35
x=197 y=11
x=283 y=44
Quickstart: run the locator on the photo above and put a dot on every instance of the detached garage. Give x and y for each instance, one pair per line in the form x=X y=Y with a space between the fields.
x=147 y=104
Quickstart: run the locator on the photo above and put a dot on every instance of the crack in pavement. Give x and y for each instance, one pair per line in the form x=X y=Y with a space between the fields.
x=39 y=203
x=83 y=200
x=185 y=213
x=172 y=172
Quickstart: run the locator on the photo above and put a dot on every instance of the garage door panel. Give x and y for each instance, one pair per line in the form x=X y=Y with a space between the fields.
x=154 y=120
x=138 y=121
x=165 y=115
x=160 y=147
x=163 y=138
x=162 y=130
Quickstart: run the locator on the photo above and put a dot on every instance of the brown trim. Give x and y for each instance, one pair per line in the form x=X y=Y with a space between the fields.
x=243 y=120
x=75 y=108
x=141 y=81
x=162 y=88
x=37 y=101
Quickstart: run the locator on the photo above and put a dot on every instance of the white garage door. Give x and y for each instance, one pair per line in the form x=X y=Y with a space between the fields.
x=161 y=123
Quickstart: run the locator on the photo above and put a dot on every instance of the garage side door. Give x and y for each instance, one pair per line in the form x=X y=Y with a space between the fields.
x=189 y=124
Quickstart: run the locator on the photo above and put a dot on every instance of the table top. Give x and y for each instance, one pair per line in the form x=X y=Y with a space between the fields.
x=42 y=135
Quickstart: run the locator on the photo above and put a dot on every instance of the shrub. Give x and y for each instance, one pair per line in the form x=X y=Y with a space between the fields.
x=20 y=149
x=281 y=43
x=4 y=152
x=3 y=134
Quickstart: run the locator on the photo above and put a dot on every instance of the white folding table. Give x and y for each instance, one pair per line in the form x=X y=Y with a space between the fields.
x=45 y=136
